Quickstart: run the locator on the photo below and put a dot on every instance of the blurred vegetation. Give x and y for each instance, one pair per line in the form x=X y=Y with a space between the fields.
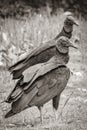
x=26 y=24
x=9 y=8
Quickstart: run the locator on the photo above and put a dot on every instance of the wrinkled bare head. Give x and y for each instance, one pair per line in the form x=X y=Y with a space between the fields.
x=69 y=22
x=63 y=44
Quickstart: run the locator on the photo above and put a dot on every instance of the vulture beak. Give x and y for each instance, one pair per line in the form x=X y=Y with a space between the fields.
x=73 y=20
x=71 y=45
x=76 y=23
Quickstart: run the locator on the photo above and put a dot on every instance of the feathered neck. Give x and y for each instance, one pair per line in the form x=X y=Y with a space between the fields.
x=64 y=33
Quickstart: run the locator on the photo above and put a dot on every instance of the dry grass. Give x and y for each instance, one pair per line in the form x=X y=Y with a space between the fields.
x=20 y=37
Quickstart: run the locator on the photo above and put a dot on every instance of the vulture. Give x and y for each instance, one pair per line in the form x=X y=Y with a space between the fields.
x=44 y=52
x=48 y=82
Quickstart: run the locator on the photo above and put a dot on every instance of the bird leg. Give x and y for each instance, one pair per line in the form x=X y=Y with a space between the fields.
x=55 y=114
x=41 y=115
x=56 y=100
x=23 y=120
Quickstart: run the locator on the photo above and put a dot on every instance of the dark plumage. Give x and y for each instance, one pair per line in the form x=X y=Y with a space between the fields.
x=60 y=48
x=49 y=80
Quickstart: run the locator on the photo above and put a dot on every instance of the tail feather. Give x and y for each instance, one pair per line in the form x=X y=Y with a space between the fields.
x=17 y=72
x=56 y=100
x=14 y=95
x=11 y=68
x=9 y=114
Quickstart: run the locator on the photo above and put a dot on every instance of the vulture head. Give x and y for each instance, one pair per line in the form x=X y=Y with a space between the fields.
x=63 y=44
x=68 y=24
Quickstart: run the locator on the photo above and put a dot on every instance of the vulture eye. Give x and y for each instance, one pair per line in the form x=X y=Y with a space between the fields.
x=64 y=43
x=69 y=23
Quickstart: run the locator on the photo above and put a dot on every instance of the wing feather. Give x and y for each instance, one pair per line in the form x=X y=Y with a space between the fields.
x=35 y=52
x=43 y=69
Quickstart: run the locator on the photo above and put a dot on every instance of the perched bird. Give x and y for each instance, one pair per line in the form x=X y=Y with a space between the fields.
x=59 y=47
x=48 y=81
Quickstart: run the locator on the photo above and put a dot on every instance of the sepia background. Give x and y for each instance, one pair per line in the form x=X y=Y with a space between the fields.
x=25 y=25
